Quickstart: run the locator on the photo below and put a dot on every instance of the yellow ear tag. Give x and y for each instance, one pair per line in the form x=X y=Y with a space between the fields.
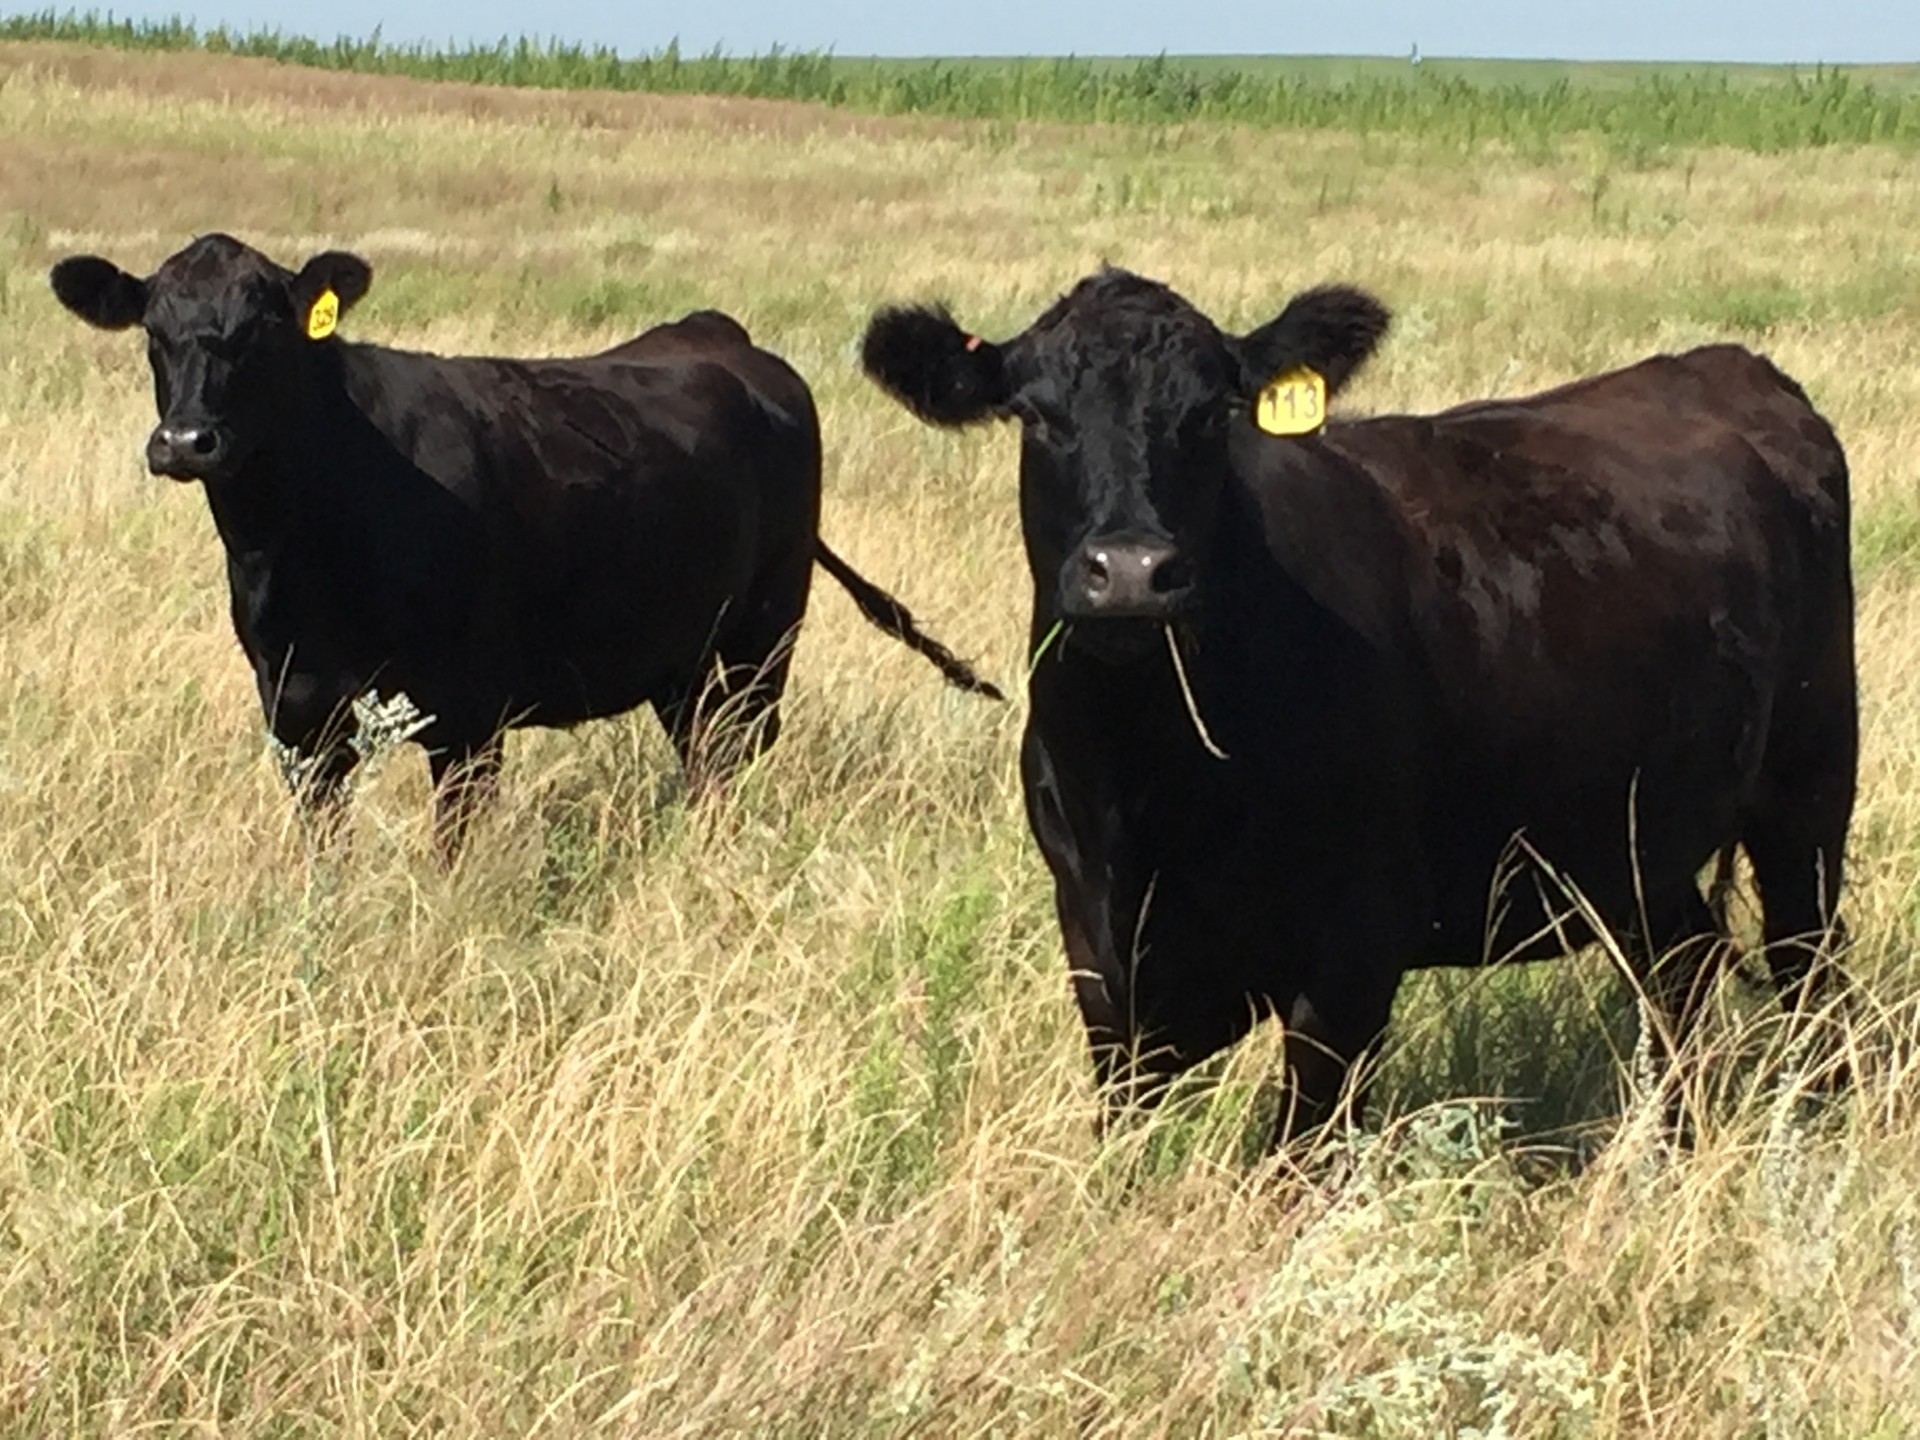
x=324 y=315
x=1294 y=402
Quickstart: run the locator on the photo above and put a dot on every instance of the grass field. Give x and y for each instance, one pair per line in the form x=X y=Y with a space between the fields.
x=772 y=1117
x=1643 y=109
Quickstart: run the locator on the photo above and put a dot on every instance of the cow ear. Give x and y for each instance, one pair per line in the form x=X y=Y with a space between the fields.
x=1331 y=329
x=328 y=285
x=933 y=367
x=99 y=292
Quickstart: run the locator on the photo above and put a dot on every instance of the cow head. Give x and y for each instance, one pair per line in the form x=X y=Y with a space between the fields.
x=230 y=334
x=1126 y=397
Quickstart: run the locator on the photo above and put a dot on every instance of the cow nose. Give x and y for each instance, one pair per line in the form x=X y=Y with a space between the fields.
x=1136 y=576
x=184 y=451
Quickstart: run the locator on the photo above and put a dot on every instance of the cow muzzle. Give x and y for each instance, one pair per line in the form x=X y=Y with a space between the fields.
x=188 y=452
x=1126 y=577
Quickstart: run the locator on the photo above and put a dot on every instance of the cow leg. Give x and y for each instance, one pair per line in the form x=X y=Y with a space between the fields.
x=756 y=651
x=1797 y=868
x=700 y=718
x=1125 y=1077
x=1798 y=874
x=1349 y=951
x=755 y=668
x=465 y=778
x=321 y=793
x=1141 y=1043
x=1330 y=1030
x=723 y=718
x=1796 y=836
x=1674 y=958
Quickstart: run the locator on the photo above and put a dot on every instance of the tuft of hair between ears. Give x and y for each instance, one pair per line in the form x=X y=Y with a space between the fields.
x=1332 y=328
x=918 y=355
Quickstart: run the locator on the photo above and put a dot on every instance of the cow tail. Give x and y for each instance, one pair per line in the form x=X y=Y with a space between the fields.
x=894 y=618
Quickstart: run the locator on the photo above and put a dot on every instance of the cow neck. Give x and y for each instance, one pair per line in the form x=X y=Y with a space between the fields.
x=291 y=485
x=249 y=512
x=298 y=564
x=1131 y=714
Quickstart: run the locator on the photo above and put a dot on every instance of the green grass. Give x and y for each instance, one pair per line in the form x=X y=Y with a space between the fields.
x=1524 y=103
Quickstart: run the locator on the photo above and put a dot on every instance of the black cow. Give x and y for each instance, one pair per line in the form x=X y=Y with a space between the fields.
x=507 y=542
x=1310 y=712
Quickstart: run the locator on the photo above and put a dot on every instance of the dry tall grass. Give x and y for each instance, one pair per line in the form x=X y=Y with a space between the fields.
x=773 y=1117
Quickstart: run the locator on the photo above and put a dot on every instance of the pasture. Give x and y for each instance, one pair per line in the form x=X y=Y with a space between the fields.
x=771 y=1116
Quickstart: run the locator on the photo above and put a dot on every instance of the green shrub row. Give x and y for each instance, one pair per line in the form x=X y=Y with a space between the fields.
x=1664 y=107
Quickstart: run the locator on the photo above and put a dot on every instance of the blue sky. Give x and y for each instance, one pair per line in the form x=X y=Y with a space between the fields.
x=1761 y=30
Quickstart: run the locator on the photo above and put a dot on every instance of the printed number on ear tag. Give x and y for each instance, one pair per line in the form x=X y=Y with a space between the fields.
x=324 y=315
x=1294 y=402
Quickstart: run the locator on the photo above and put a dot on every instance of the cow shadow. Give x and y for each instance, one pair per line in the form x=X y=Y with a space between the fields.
x=1549 y=1047
x=1555 y=1052
x=1535 y=1059
x=1536 y=1070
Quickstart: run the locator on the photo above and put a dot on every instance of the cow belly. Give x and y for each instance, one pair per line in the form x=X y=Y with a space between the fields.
x=626 y=635
x=558 y=694
x=1622 y=754
x=1522 y=845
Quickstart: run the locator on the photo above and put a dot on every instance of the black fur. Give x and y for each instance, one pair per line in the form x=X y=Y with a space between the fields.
x=920 y=357
x=509 y=542
x=1332 y=328
x=99 y=292
x=347 y=275
x=1613 y=620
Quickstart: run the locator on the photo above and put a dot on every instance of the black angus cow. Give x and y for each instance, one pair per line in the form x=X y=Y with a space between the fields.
x=1301 y=705
x=508 y=542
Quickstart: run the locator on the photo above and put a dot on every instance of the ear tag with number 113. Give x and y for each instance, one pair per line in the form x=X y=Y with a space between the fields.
x=324 y=315
x=1294 y=402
